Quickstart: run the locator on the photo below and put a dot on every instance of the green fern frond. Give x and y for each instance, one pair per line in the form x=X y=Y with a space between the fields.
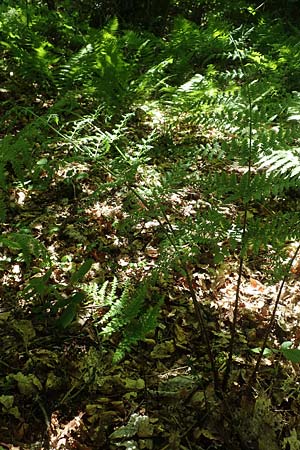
x=17 y=153
x=283 y=227
x=137 y=330
x=75 y=70
x=111 y=298
x=294 y=107
x=129 y=316
x=101 y=293
x=95 y=297
x=123 y=310
x=98 y=68
x=155 y=78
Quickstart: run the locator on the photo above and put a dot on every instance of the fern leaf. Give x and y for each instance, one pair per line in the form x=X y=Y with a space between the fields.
x=137 y=330
x=285 y=162
x=112 y=295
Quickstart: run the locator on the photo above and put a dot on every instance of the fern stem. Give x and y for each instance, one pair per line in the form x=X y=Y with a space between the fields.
x=233 y=326
x=201 y=322
x=272 y=319
x=244 y=232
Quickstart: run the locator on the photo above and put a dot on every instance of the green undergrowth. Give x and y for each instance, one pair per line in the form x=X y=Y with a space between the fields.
x=203 y=99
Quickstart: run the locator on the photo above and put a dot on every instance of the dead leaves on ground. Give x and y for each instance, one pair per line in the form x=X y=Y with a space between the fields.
x=58 y=386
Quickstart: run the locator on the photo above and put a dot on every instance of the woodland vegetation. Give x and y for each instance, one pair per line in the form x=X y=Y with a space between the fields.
x=150 y=228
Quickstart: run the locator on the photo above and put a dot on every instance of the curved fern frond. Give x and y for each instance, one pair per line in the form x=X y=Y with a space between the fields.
x=137 y=330
x=16 y=153
x=98 y=68
x=76 y=69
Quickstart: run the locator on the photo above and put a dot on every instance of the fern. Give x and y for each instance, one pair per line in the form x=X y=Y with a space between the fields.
x=122 y=309
x=285 y=163
x=76 y=70
x=292 y=441
x=128 y=316
x=15 y=152
x=30 y=55
x=293 y=109
x=191 y=45
x=98 y=68
x=137 y=330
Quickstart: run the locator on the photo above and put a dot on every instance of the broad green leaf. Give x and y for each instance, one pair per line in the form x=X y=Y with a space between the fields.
x=42 y=162
x=82 y=271
x=40 y=284
x=286 y=345
x=292 y=354
x=70 y=311
x=67 y=316
x=267 y=351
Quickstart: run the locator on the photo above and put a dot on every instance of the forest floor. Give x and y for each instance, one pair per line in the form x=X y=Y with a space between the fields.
x=62 y=390
x=84 y=230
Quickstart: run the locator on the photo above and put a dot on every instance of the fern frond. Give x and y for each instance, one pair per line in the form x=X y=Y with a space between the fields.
x=123 y=310
x=294 y=107
x=98 y=68
x=284 y=227
x=101 y=293
x=282 y=162
x=129 y=316
x=137 y=330
x=16 y=152
x=111 y=298
x=76 y=69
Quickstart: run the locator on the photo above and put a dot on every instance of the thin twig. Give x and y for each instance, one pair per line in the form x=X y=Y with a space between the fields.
x=272 y=319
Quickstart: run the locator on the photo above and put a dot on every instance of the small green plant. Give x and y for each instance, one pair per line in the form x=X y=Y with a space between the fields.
x=26 y=246
x=51 y=297
x=128 y=314
x=98 y=68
